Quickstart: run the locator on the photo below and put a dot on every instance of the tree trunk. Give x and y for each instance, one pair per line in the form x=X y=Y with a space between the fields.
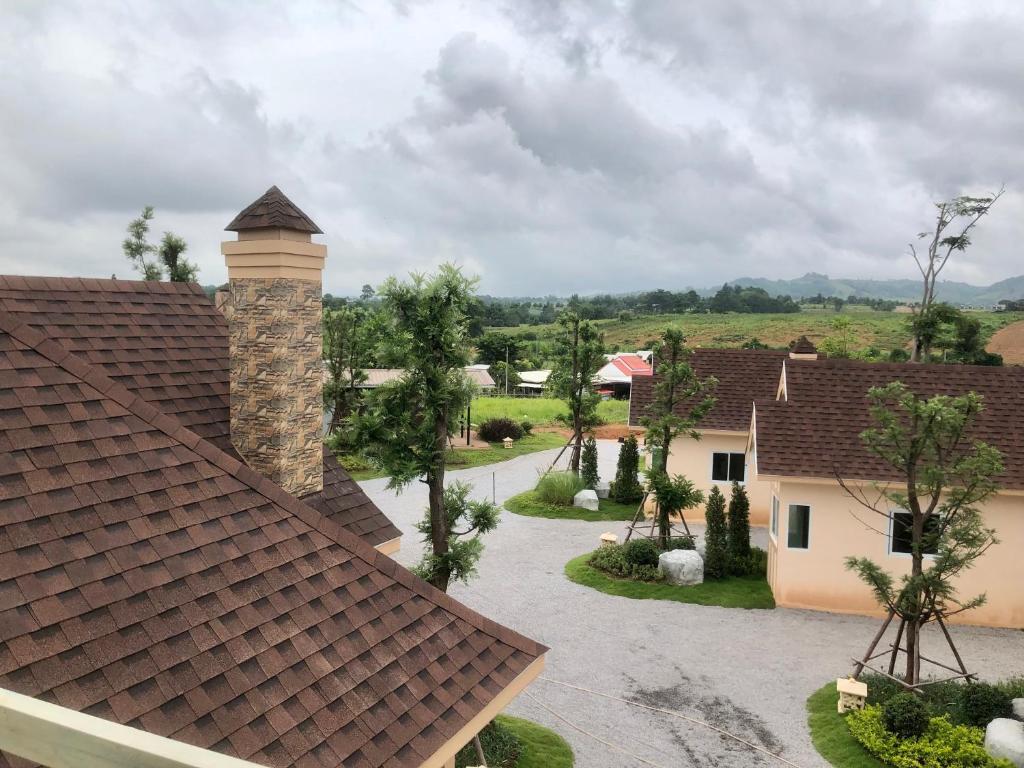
x=577 y=447
x=438 y=519
x=914 y=621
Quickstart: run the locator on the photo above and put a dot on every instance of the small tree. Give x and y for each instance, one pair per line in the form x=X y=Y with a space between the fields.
x=959 y=216
x=138 y=249
x=579 y=354
x=943 y=475
x=346 y=352
x=716 y=536
x=739 y=528
x=406 y=424
x=179 y=269
x=588 y=472
x=680 y=400
x=464 y=546
x=675 y=494
x=626 y=488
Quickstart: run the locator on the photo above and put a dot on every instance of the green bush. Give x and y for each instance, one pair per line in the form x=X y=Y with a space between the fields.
x=527 y=426
x=496 y=430
x=716 y=536
x=613 y=559
x=588 y=463
x=626 y=488
x=645 y=573
x=641 y=552
x=610 y=559
x=681 y=542
x=739 y=530
x=502 y=748
x=943 y=744
x=756 y=563
x=1013 y=687
x=905 y=715
x=354 y=462
x=559 y=488
x=881 y=688
x=980 y=703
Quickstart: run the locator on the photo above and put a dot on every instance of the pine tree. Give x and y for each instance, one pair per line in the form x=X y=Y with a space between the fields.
x=588 y=469
x=627 y=489
x=739 y=529
x=716 y=536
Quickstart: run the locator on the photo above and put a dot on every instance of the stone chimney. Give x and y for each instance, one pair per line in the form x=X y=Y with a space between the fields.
x=274 y=282
x=803 y=349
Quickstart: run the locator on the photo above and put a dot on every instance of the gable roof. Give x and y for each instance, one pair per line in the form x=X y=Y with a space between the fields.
x=744 y=375
x=273 y=210
x=622 y=369
x=167 y=343
x=149 y=578
x=816 y=431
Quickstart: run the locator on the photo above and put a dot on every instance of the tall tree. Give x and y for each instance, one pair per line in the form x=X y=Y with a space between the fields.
x=944 y=476
x=138 y=249
x=626 y=488
x=588 y=473
x=179 y=269
x=716 y=536
x=681 y=399
x=739 y=529
x=579 y=354
x=953 y=224
x=406 y=424
x=497 y=347
x=346 y=355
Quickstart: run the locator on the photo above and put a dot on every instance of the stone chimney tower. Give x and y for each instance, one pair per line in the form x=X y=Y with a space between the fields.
x=274 y=280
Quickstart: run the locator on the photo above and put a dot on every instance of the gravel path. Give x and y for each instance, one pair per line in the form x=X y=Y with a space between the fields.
x=748 y=672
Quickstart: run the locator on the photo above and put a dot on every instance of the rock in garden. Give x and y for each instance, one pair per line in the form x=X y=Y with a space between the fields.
x=1005 y=738
x=682 y=567
x=602 y=490
x=1018 y=709
x=587 y=499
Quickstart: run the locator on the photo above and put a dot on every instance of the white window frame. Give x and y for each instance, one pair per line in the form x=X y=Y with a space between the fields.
x=889 y=538
x=810 y=515
x=773 y=522
x=711 y=467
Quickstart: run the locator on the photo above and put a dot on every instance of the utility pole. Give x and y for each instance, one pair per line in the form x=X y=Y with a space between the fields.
x=506 y=370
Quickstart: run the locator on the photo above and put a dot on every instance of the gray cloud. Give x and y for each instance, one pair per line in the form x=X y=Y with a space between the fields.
x=548 y=146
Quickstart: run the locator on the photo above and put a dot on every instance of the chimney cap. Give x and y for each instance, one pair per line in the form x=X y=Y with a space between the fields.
x=273 y=210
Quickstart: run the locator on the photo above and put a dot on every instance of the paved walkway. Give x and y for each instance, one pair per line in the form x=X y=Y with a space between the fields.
x=749 y=672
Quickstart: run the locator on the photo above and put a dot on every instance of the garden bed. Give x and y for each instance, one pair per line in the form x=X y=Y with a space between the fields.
x=530 y=505
x=732 y=592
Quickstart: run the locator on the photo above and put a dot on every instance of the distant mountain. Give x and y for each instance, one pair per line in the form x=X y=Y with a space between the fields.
x=954 y=292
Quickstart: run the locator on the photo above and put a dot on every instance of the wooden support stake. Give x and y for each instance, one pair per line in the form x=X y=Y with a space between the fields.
x=874 y=642
x=952 y=645
x=896 y=646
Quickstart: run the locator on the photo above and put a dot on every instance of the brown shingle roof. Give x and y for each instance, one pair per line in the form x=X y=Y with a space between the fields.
x=816 y=432
x=151 y=579
x=273 y=210
x=744 y=375
x=167 y=343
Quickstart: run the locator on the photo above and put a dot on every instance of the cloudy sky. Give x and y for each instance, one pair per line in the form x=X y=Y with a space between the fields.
x=547 y=146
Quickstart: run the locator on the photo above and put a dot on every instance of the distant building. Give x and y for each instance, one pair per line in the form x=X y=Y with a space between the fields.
x=615 y=378
x=532 y=383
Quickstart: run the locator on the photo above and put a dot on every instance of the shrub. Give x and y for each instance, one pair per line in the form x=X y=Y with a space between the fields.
x=588 y=465
x=716 y=537
x=559 y=488
x=978 y=704
x=905 y=715
x=502 y=748
x=943 y=744
x=497 y=429
x=640 y=552
x=626 y=488
x=527 y=426
x=681 y=542
x=610 y=558
x=739 y=529
x=645 y=573
x=353 y=462
x=614 y=559
x=756 y=563
x=881 y=688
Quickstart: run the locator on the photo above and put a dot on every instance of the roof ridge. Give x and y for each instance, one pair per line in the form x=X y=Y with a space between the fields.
x=151 y=415
x=48 y=282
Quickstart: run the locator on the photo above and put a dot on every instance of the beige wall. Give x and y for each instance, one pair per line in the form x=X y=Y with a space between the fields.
x=693 y=459
x=816 y=578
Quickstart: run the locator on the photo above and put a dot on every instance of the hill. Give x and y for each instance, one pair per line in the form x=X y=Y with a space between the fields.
x=813 y=284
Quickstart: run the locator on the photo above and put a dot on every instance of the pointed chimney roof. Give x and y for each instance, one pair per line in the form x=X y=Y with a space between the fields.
x=273 y=211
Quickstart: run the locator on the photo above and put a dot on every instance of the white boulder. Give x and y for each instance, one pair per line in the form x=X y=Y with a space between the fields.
x=1005 y=738
x=682 y=567
x=587 y=499
x=1018 y=709
x=602 y=490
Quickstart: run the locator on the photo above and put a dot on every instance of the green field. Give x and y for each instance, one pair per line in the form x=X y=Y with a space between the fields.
x=881 y=330
x=541 y=411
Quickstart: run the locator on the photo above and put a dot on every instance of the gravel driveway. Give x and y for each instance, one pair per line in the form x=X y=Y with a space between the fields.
x=747 y=672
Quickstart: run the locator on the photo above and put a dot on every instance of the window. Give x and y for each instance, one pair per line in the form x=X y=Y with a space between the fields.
x=775 y=518
x=799 y=531
x=902 y=535
x=726 y=467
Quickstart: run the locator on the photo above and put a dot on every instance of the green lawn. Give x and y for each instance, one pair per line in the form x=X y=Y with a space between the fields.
x=830 y=735
x=542 y=748
x=734 y=592
x=528 y=504
x=542 y=411
x=466 y=458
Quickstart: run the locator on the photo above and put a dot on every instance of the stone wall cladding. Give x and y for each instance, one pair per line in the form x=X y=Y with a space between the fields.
x=277 y=379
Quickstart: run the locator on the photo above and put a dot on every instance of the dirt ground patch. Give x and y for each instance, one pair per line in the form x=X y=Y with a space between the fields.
x=1009 y=342
x=603 y=432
